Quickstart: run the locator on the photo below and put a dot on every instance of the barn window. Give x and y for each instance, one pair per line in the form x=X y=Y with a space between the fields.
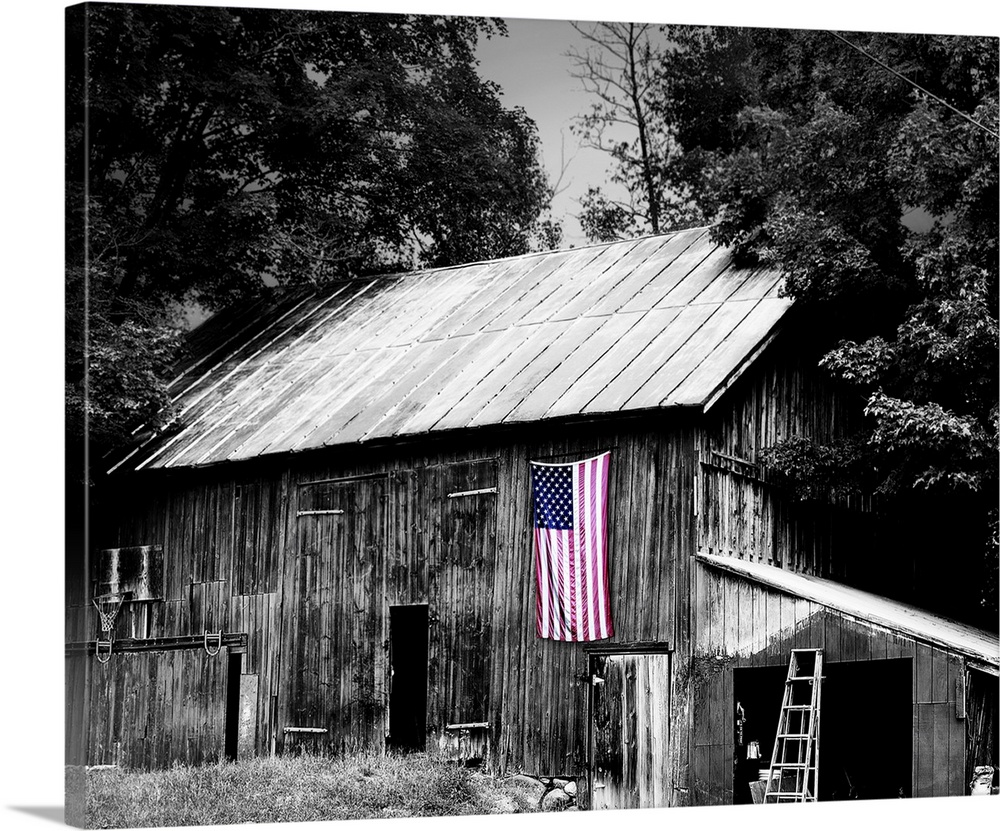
x=468 y=511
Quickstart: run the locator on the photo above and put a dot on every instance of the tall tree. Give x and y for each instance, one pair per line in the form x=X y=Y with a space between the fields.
x=618 y=67
x=213 y=152
x=809 y=153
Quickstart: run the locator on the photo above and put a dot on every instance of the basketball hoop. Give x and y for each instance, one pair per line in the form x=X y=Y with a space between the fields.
x=107 y=606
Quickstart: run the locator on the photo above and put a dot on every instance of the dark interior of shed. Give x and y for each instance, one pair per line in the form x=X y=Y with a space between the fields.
x=866 y=723
x=408 y=687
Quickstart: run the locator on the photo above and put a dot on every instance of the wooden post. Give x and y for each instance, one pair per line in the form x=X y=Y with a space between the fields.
x=247 y=741
x=273 y=741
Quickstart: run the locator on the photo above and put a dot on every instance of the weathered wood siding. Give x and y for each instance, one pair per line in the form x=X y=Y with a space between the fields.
x=744 y=624
x=151 y=706
x=331 y=665
x=741 y=510
x=242 y=552
x=888 y=547
x=630 y=730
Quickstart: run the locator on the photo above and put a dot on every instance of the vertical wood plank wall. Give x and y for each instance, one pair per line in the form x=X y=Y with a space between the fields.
x=150 y=706
x=744 y=514
x=743 y=511
x=312 y=592
x=631 y=732
x=743 y=624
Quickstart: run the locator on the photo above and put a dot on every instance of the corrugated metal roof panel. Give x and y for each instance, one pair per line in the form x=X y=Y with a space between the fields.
x=617 y=286
x=556 y=353
x=678 y=327
x=678 y=270
x=565 y=379
x=869 y=608
x=725 y=355
x=656 y=322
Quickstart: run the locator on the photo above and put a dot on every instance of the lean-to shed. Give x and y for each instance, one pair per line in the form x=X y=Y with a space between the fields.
x=343 y=505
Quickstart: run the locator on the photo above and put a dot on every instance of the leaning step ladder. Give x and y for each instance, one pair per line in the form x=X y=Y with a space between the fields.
x=794 y=773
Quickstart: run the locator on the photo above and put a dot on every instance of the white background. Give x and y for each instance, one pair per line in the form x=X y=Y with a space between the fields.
x=31 y=679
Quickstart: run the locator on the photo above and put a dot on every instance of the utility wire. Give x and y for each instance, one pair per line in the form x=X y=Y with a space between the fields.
x=912 y=84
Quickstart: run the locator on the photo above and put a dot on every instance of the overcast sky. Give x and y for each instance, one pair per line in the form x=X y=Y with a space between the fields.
x=532 y=67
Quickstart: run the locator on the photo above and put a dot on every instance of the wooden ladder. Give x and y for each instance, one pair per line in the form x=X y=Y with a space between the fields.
x=794 y=773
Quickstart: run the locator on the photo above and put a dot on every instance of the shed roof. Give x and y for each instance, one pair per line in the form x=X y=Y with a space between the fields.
x=662 y=321
x=891 y=614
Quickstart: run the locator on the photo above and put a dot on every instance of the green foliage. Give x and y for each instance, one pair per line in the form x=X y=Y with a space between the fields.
x=121 y=379
x=861 y=364
x=810 y=157
x=214 y=153
x=809 y=162
x=605 y=220
x=816 y=472
x=362 y=785
x=929 y=445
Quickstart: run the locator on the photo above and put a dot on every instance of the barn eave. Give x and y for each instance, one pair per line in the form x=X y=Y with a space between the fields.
x=923 y=626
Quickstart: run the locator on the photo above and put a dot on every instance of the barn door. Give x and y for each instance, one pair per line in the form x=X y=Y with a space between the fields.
x=335 y=660
x=629 y=731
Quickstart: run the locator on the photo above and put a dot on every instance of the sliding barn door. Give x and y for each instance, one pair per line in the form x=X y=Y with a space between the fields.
x=333 y=640
x=630 y=735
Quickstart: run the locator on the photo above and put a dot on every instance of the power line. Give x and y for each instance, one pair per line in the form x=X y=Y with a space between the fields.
x=915 y=85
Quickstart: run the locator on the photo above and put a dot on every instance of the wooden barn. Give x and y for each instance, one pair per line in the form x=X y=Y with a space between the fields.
x=331 y=547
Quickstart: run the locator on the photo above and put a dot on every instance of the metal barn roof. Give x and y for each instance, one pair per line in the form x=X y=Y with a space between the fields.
x=657 y=322
x=870 y=608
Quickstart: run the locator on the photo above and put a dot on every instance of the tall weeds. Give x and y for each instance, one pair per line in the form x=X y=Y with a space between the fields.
x=306 y=788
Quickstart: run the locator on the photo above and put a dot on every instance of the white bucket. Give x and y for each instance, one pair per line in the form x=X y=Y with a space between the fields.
x=982 y=780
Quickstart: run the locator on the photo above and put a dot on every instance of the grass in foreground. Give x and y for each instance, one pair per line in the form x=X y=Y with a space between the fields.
x=307 y=788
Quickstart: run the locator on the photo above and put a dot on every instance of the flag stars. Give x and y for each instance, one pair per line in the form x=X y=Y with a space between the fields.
x=553 y=488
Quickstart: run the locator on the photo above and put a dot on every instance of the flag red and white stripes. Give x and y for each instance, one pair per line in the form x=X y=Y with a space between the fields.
x=571 y=549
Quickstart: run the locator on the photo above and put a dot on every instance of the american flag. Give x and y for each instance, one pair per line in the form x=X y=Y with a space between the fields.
x=571 y=550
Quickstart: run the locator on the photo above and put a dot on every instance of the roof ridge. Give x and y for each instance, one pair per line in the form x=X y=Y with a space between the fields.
x=514 y=257
x=284 y=288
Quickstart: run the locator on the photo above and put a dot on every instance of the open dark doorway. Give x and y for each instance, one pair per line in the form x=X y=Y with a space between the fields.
x=408 y=684
x=866 y=728
x=232 y=728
